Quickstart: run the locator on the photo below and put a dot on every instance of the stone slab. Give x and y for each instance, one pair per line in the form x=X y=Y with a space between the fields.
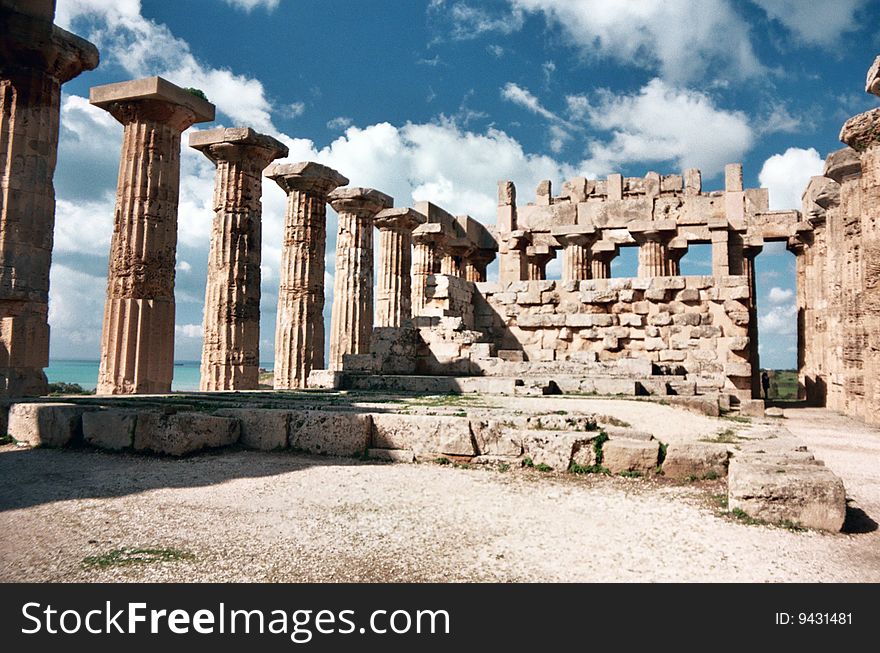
x=423 y=434
x=265 y=429
x=183 y=433
x=45 y=424
x=111 y=429
x=811 y=496
x=151 y=88
x=623 y=455
x=330 y=433
x=695 y=460
x=553 y=448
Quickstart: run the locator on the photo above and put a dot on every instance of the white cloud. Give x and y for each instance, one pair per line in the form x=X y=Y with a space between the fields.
x=682 y=39
x=143 y=48
x=495 y=50
x=779 y=295
x=778 y=321
x=184 y=266
x=250 y=5
x=339 y=123
x=815 y=23
x=296 y=109
x=468 y=22
x=524 y=98
x=663 y=123
x=787 y=175
x=189 y=330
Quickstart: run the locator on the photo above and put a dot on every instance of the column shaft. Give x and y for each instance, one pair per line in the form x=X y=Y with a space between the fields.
x=394 y=288
x=600 y=268
x=424 y=265
x=576 y=262
x=652 y=258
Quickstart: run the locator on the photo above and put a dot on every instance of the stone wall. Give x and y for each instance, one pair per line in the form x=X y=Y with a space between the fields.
x=696 y=327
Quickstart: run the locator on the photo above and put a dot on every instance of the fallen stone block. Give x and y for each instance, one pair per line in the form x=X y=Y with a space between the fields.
x=494 y=437
x=751 y=408
x=423 y=434
x=47 y=424
x=261 y=428
x=111 y=428
x=616 y=432
x=183 y=433
x=623 y=455
x=774 y=411
x=553 y=448
x=392 y=455
x=810 y=496
x=695 y=460
x=330 y=433
x=327 y=379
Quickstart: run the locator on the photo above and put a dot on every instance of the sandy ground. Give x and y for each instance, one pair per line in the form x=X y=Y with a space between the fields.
x=250 y=516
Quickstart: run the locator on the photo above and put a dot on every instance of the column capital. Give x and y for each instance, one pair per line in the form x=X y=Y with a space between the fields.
x=305 y=176
x=154 y=99
x=400 y=219
x=583 y=234
x=653 y=230
x=872 y=83
x=362 y=202
x=31 y=41
x=229 y=144
x=843 y=164
x=862 y=131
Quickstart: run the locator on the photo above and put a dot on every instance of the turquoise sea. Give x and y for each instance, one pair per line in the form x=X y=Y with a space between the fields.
x=85 y=373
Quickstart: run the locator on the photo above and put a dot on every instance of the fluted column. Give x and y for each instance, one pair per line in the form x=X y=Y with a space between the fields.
x=137 y=339
x=603 y=252
x=231 y=347
x=299 y=334
x=394 y=285
x=576 y=256
x=653 y=238
x=351 y=321
x=537 y=258
x=427 y=241
x=36 y=58
x=476 y=264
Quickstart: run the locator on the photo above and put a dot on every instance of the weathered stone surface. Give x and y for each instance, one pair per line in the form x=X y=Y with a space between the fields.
x=622 y=455
x=696 y=460
x=139 y=311
x=36 y=58
x=394 y=285
x=807 y=495
x=423 y=434
x=265 y=429
x=325 y=379
x=46 y=425
x=231 y=344
x=331 y=433
x=111 y=429
x=183 y=433
x=553 y=448
x=392 y=455
x=299 y=333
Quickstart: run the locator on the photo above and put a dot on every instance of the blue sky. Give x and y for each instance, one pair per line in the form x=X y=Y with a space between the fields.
x=438 y=99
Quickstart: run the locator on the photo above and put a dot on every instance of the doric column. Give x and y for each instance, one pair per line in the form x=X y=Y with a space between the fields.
x=231 y=347
x=576 y=256
x=476 y=263
x=537 y=258
x=36 y=58
x=427 y=241
x=394 y=287
x=653 y=238
x=351 y=320
x=450 y=264
x=299 y=333
x=675 y=251
x=137 y=340
x=603 y=252
x=752 y=249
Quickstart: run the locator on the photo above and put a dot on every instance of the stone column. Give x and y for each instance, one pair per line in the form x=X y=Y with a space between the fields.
x=351 y=321
x=603 y=252
x=754 y=247
x=137 y=340
x=231 y=348
x=476 y=263
x=512 y=256
x=450 y=264
x=653 y=238
x=299 y=330
x=36 y=58
x=719 y=232
x=394 y=287
x=576 y=256
x=675 y=251
x=537 y=258
x=427 y=241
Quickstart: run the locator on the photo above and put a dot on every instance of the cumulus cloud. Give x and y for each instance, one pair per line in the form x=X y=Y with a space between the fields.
x=779 y=295
x=815 y=23
x=683 y=40
x=467 y=21
x=250 y=5
x=142 y=48
x=787 y=175
x=661 y=123
x=778 y=321
x=339 y=123
x=189 y=330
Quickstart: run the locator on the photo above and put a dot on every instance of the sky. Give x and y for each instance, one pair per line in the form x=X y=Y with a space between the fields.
x=439 y=99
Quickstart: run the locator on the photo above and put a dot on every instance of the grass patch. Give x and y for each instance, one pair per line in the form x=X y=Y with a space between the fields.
x=7 y=439
x=662 y=456
x=745 y=518
x=541 y=467
x=720 y=500
x=740 y=419
x=613 y=421
x=630 y=474
x=129 y=557
x=503 y=467
x=727 y=436
x=442 y=461
x=574 y=468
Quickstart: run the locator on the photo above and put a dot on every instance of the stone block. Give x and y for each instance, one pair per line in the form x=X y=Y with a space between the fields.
x=183 y=433
x=656 y=294
x=737 y=369
x=660 y=319
x=511 y=355
x=630 y=320
x=667 y=355
x=751 y=407
x=111 y=428
x=623 y=455
x=423 y=434
x=808 y=495
x=261 y=428
x=686 y=319
x=331 y=433
x=494 y=437
x=695 y=460
x=553 y=448
x=327 y=379
x=46 y=424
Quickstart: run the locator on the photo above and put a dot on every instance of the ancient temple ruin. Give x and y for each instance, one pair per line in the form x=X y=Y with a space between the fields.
x=432 y=317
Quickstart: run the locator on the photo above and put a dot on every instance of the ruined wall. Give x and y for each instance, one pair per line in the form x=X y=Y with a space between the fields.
x=695 y=327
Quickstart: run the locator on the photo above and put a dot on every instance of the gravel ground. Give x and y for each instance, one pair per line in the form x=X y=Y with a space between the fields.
x=250 y=516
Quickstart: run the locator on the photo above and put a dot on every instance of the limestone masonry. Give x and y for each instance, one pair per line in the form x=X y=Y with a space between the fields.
x=432 y=320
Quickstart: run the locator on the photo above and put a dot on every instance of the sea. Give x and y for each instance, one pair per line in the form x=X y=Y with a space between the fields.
x=85 y=373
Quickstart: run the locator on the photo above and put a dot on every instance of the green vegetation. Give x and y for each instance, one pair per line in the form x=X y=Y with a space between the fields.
x=727 y=436
x=7 y=439
x=503 y=467
x=128 y=557
x=574 y=468
x=442 y=461
x=541 y=467
x=745 y=518
x=199 y=93
x=631 y=474
x=62 y=388
x=783 y=385
x=528 y=462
